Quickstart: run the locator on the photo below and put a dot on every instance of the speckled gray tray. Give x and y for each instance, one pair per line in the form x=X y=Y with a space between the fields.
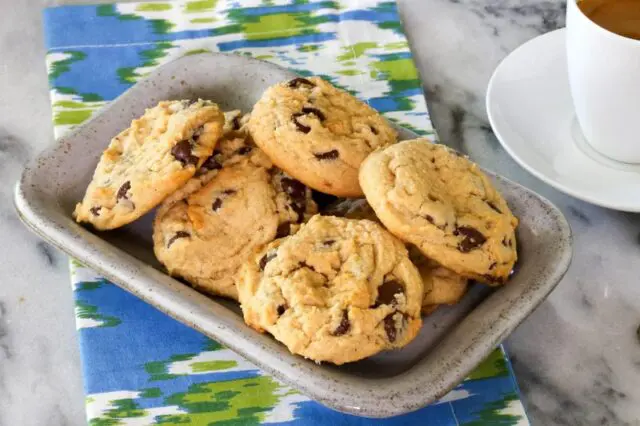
x=452 y=342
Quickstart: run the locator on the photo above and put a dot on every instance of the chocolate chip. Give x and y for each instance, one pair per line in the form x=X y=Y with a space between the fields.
x=281 y=309
x=244 y=150
x=329 y=155
x=217 y=203
x=314 y=111
x=297 y=82
x=433 y=160
x=373 y=130
x=387 y=293
x=266 y=259
x=300 y=126
x=390 y=327
x=429 y=218
x=196 y=133
x=236 y=123
x=306 y=111
x=472 y=238
x=182 y=152
x=122 y=192
x=328 y=242
x=344 y=326
x=493 y=206
x=432 y=198
x=493 y=265
x=179 y=234
x=297 y=192
x=504 y=241
x=283 y=230
x=294 y=188
x=299 y=208
x=95 y=210
x=322 y=199
x=211 y=164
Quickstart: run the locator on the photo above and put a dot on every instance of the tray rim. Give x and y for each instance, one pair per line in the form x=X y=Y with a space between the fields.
x=217 y=328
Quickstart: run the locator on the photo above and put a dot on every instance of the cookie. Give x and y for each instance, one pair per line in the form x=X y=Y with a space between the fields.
x=318 y=134
x=205 y=236
x=438 y=200
x=441 y=285
x=338 y=290
x=148 y=161
x=235 y=121
x=231 y=148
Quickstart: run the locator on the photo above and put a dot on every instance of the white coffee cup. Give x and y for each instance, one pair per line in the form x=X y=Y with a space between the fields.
x=604 y=75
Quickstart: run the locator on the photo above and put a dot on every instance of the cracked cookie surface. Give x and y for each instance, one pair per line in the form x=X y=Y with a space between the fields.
x=441 y=285
x=318 y=133
x=238 y=203
x=338 y=290
x=438 y=200
x=150 y=160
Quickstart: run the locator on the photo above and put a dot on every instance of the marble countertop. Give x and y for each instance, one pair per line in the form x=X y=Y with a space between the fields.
x=576 y=358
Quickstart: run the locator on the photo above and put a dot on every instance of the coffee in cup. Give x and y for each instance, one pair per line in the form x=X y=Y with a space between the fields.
x=618 y=16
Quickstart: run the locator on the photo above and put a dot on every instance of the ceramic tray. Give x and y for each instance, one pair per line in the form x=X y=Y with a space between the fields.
x=453 y=340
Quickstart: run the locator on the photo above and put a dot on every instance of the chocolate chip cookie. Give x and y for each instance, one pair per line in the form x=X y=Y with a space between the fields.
x=438 y=200
x=338 y=290
x=441 y=285
x=232 y=147
x=207 y=233
x=318 y=134
x=148 y=161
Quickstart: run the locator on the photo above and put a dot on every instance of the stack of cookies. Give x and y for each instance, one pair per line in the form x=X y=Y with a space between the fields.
x=334 y=237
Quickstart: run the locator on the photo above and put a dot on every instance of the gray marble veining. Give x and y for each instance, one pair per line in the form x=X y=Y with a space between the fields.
x=577 y=358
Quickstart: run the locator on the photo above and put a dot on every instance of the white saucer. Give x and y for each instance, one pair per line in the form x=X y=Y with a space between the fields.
x=531 y=112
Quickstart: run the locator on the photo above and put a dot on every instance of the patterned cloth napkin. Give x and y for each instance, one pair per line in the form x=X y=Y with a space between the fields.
x=142 y=367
